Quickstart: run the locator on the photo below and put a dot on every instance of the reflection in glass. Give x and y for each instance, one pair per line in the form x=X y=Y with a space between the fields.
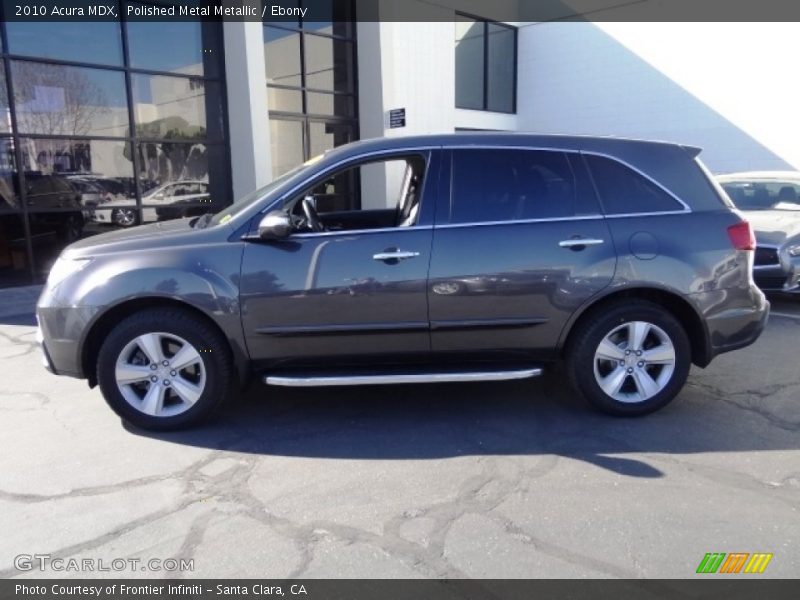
x=500 y=68
x=340 y=105
x=174 y=46
x=285 y=100
x=329 y=64
x=286 y=145
x=5 y=117
x=14 y=268
x=324 y=136
x=469 y=63
x=170 y=107
x=66 y=40
x=60 y=100
x=282 y=56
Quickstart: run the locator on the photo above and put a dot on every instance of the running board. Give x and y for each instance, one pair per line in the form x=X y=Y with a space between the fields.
x=392 y=378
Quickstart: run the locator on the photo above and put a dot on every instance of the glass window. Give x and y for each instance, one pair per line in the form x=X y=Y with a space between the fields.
x=763 y=195
x=500 y=68
x=173 y=46
x=329 y=64
x=324 y=136
x=67 y=40
x=624 y=191
x=286 y=145
x=280 y=99
x=340 y=105
x=485 y=65
x=173 y=107
x=60 y=100
x=509 y=185
x=282 y=56
x=469 y=63
x=5 y=116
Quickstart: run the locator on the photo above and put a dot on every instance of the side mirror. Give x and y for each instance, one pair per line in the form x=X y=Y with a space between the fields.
x=275 y=225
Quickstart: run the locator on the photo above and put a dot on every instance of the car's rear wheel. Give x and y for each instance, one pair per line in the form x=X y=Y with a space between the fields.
x=164 y=369
x=630 y=359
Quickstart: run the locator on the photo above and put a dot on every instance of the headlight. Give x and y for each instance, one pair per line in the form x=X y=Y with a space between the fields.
x=794 y=250
x=63 y=268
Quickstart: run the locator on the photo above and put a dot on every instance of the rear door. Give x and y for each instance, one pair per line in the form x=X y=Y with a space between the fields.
x=520 y=247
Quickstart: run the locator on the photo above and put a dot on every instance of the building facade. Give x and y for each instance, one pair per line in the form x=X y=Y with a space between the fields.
x=110 y=125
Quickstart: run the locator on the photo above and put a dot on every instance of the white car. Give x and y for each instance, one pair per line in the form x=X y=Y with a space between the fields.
x=167 y=201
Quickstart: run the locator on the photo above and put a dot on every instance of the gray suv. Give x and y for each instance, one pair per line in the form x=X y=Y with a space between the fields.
x=418 y=259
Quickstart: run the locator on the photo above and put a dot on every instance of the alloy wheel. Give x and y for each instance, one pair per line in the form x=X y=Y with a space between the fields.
x=160 y=374
x=634 y=362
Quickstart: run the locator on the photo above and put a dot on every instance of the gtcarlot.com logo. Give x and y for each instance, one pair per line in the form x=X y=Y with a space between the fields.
x=47 y=562
x=735 y=562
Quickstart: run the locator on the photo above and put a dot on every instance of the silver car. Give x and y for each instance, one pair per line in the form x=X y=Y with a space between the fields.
x=771 y=202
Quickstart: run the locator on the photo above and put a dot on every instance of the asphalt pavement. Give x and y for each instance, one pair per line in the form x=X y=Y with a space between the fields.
x=485 y=480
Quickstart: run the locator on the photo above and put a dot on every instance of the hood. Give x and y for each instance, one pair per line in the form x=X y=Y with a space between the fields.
x=773 y=226
x=145 y=237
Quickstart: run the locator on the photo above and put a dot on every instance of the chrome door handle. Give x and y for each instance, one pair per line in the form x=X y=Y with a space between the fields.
x=395 y=254
x=571 y=243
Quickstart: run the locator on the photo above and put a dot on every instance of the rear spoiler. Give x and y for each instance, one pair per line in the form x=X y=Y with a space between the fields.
x=692 y=151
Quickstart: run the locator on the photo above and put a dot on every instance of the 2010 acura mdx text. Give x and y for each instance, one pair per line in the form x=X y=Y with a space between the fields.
x=418 y=259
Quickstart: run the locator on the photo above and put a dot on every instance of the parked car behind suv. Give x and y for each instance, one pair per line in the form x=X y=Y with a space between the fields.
x=770 y=200
x=418 y=259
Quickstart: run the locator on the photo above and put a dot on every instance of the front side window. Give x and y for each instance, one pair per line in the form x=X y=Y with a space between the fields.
x=486 y=57
x=511 y=185
x=388 y=192
x=624 y=191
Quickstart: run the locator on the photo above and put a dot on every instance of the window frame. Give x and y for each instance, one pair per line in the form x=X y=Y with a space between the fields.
x=485 y=100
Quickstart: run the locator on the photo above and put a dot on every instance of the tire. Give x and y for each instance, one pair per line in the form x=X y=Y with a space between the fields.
x=125 y=217
x=184 y=396
x=615 y=378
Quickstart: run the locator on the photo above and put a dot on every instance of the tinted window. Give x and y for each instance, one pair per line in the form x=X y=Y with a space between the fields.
x=485 y=56
x=624 y=191
x=764 y=195
x=90 y=42
x=507 y=185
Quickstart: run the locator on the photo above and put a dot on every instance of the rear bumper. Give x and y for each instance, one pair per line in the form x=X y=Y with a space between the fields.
x=736 y=326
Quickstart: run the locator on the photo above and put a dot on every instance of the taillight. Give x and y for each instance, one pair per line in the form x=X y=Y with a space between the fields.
x=742 y=236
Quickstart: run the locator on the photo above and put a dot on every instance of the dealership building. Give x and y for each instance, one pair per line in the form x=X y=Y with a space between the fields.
x=111 y=124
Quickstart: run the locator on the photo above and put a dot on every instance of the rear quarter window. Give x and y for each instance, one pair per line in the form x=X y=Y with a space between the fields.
x=624 y=191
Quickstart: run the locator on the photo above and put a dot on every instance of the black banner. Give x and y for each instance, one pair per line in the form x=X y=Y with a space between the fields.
x=729 y=588
x=402 y=10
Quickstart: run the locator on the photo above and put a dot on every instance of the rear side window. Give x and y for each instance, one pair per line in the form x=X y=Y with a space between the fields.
x=624 y=191
x=510 y=185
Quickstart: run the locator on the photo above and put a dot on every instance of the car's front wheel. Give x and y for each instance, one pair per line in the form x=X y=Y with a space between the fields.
x=164 y=369
x=630 y=359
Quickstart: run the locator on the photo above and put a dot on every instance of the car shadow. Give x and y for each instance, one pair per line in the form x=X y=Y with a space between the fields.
x=419 y=422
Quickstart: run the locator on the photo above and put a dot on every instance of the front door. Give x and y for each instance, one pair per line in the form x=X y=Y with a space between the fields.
x=355 y=291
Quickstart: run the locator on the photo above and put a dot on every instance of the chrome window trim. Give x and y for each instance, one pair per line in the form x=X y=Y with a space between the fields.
x=315 y=234
x=518 y=222
x=685 y=206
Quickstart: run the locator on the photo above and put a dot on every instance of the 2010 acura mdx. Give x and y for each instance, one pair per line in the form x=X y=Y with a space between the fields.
x=418 y=259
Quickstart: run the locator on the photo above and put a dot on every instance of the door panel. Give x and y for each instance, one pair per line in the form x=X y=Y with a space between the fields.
x=516 y=286
x=507 y=268
x=326 y=296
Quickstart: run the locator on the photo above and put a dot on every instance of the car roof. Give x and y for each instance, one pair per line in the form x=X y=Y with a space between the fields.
x=759 y=175
x=600 y=144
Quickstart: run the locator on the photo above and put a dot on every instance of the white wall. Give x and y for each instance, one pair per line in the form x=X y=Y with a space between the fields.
x=727 y=87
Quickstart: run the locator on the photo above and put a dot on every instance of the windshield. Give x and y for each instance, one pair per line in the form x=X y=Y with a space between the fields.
x=242 y=203
x=764 y=195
